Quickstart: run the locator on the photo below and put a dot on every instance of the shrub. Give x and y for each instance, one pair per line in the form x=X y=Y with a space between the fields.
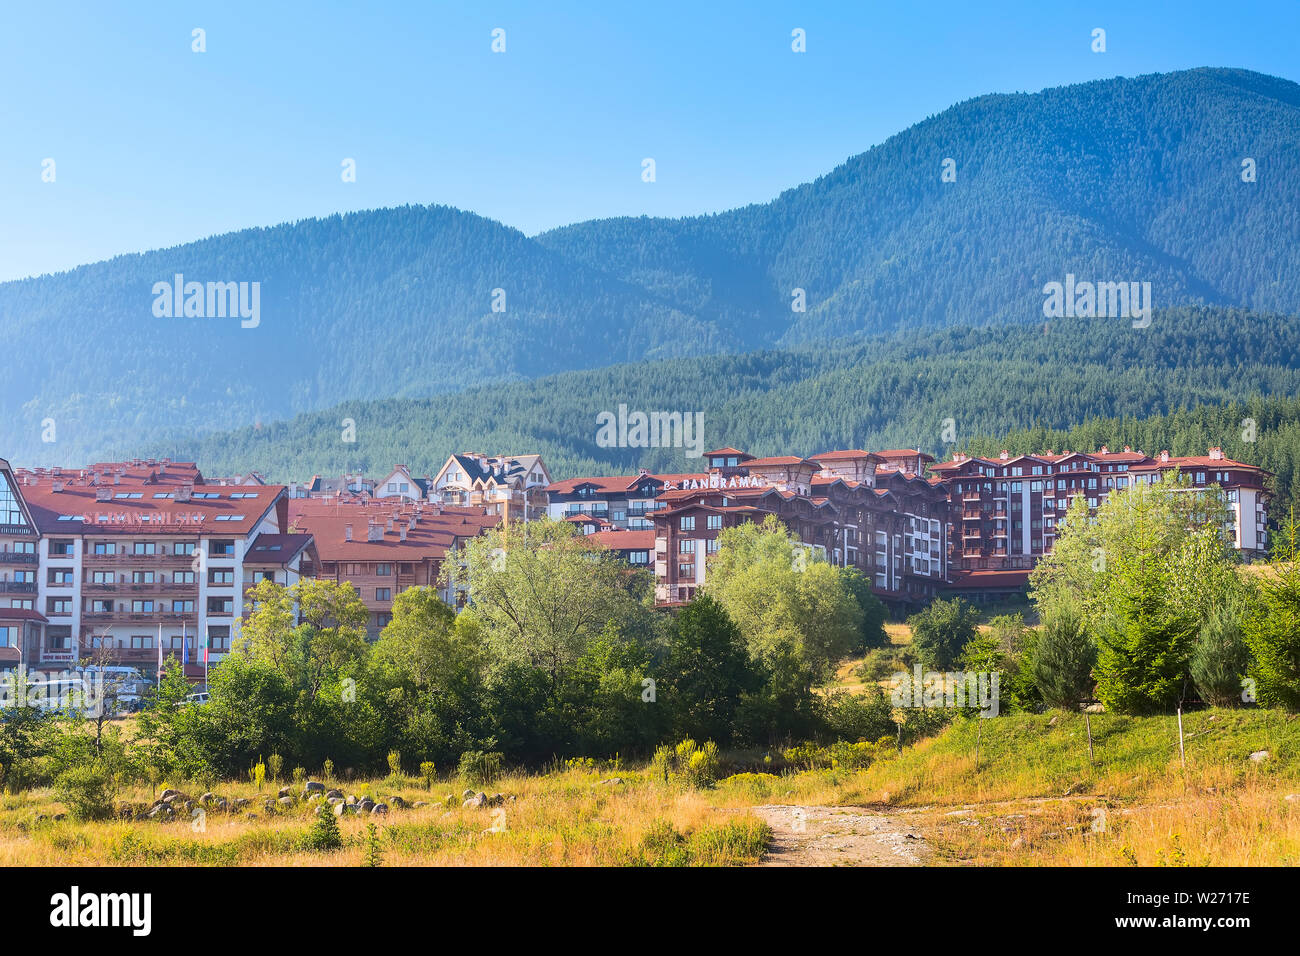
x=394 y=763
x=428 y=770
x=274 y=764
x=807 y=756
x=480 y=767
x=941 y=630
x=88 y=792
x=299 y=776
x=324 y=833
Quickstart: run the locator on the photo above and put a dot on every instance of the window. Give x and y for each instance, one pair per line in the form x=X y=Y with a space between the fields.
x=184 y=547
x=221 y=549
x=686 y=570
x=383 y=594
x=221 y=576
x=101 y=577
x=638 y=557
x=714 y=522
x=58 y=605
x=101 y=607
x=685 y=546
x=383 y=570
x=140 y=642
x=687 y=523
x=220 y=605
x=106 y=547
x=141 y=607
x=711 y=546
x=8 y=635
x=182 y=577
x=229 y=518
x=219 y=639
x=182 y=607
x=142 y=577
x=144 y=547
x=60 y=549
x=58 y=575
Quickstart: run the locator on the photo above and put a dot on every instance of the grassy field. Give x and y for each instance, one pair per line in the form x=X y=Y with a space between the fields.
x=1035 y=797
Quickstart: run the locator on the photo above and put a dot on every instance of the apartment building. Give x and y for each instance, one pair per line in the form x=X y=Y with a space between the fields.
x=512 y=487
x=853 y=507
x=134 y=553
x=382 y=548
x=22 y=627
x=1005 y=512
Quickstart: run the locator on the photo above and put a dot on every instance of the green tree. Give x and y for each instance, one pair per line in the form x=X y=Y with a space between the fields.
x=1273 y=632
x=1063 y=659
x=781 y=594
x=707 y=672
x=941 y=630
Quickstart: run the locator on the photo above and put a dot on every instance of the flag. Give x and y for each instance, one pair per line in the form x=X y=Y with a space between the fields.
x=160 y=652
x=185 y=647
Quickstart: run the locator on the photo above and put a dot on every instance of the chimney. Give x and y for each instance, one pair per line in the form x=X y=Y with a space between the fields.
x=117 y=479
x=1004 y=456
x=389 y=526
x=184 y=492
x=401 y=534
x=374 y=532
x=347 y=532
x=56 y=486
x=1127 y=449
x=101 y=494
x=1164 y=455
x=1105 y=450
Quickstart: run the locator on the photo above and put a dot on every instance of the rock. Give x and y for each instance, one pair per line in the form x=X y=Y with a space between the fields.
x=1052 y=722
x=340 y=808
x=366 y=805
x=1291 y=797
x=476 y=802
x=163 y=812
x=60 y=816
x=285 y=792
x=208 y=797
x=285 y=801
x=379 y=809
x=239 y=803
x=252 y=816
x=612 y=781
x=418 y=803
x=496 y=800
x=467 y=794
x=1095 y=709
x=396 y=802
x=168 y=794
x=334 y=793
x=313 y=786
x=1259 y=756
x=351 y=799
x=335 y=801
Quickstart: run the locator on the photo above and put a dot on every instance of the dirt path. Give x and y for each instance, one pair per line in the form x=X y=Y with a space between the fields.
x=840 y=836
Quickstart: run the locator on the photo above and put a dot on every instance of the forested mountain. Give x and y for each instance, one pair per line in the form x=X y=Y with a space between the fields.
x=892 y=390
x=1126 y=179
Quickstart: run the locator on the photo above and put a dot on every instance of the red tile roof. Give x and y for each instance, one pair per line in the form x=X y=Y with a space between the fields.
x=147 y=514
x=22 y=614
x=625 y=540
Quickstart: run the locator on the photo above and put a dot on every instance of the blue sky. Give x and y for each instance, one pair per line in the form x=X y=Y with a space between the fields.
x=156 y=145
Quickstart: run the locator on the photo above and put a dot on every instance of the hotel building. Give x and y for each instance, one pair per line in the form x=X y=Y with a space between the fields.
x=1005 y=512
x=855 y=508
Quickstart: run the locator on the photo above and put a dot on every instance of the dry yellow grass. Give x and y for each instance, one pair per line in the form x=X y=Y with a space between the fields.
x=562 y=819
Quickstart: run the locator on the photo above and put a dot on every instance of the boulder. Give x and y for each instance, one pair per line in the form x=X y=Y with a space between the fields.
x=239 y=803
x=611 y=782
x=424 y=803
x=313 y=786
x=379 y=809
x=1259 y=756
x=334 y=801
x=496 y=800
x=467 y=794
x=168 y=794
x=208 y=798
x=396 y=802
x=476 y=802
x=331 y=794
x=285 y=801
x=285 y=792
x=340 y=808
x=163 y=812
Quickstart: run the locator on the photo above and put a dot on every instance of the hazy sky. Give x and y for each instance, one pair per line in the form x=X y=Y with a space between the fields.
x=156 y=145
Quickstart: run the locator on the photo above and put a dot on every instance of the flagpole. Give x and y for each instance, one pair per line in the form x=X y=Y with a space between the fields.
x=160 y=664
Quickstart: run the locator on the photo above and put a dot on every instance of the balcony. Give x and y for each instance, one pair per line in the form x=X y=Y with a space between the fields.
x=18 y=557
x=17 y=587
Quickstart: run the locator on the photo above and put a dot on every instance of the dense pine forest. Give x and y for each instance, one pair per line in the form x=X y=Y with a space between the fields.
x=1130 y=179
x=1186 y=382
